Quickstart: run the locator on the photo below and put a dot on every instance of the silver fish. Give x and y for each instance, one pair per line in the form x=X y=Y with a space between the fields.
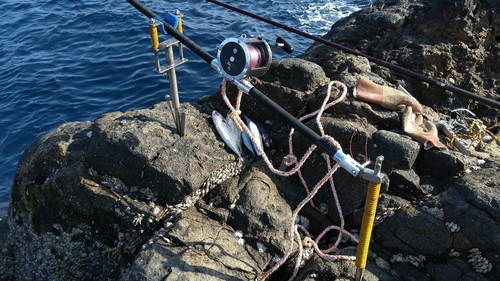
x=264 y=132
x=256 y=135
x=226 y=133
x=235 y=131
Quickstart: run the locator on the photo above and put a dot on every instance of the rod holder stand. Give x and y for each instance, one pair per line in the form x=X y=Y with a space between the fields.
x=168 y=70
x=171 y=61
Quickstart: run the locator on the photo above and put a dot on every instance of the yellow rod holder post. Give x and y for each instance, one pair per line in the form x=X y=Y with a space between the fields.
x=179 y=15
x=368 y=219
x=155 y=42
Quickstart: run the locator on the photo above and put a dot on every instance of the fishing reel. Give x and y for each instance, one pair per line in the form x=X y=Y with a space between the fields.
x=247 y=56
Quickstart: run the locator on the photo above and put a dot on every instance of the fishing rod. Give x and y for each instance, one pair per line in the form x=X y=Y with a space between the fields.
x=249 y=47
x=247 y=56
x=451 y=88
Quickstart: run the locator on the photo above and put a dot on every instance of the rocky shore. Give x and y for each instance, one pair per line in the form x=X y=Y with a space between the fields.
x=124 y=197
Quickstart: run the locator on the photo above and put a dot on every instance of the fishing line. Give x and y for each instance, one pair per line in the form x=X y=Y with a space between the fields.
x=451 y=88
x=161 y=4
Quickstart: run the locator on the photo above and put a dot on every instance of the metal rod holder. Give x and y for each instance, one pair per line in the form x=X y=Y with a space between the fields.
x=168 y=70
x=184 y=114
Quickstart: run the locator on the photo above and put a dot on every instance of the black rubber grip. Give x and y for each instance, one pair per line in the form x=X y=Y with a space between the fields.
x=286 y=46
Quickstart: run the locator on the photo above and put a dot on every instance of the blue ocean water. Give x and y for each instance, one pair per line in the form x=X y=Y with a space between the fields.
x=73 y=61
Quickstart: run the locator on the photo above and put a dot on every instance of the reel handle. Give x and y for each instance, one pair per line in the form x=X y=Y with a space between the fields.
x=282 y=43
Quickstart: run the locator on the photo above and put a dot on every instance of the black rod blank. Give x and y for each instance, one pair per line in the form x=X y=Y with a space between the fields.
x=254 y=92
x=451 y=88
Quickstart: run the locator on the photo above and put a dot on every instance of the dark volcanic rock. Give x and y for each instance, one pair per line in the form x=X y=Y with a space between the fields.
x=414 y=232
x=195 y=248
x=406 y=181
x=400 y=152
x=340 y=271
x=267 y=220
x=125 y=198
x=296 y=74
x=438 y=164
x=455 y=42
x=145 y=145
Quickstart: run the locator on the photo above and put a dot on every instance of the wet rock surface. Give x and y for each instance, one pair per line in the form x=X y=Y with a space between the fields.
x=125 y=198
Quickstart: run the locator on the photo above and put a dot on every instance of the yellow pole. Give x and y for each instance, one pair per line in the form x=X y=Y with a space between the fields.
x=367 y=224
x=179 y=15
x=155 y=41
x=153 y=32
x=179 y=26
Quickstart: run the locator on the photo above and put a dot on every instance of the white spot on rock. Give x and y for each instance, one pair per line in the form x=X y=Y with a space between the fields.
x=261 y=247
x=417 y=261
x=438 y=213
x=156 y=210
x=454 y=253
x=478 y=262
x=453 y=227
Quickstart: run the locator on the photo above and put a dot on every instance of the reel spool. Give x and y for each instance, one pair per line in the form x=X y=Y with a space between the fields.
x=244 y=56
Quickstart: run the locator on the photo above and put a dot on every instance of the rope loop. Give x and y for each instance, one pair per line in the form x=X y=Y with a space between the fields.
x=292 y=160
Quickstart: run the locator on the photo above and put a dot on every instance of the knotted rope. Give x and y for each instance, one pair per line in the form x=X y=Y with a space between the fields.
x=294 y=229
